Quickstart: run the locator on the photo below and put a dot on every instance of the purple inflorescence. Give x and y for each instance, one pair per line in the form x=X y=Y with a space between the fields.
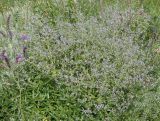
x=25 y=37
x=25 y=52
x=4 y=57
x=9 y=27
x=19 y=58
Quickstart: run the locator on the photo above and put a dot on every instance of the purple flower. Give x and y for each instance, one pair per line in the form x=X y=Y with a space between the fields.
x=4 y=57
x=25 y=37
x=24 y=49
x=19 y=58
x=25 y=52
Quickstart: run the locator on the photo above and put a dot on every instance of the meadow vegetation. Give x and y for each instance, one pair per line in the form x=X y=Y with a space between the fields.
x=79 y=60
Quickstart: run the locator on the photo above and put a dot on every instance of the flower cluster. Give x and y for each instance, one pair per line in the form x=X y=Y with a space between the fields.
x=4 y=57
x=20 y=57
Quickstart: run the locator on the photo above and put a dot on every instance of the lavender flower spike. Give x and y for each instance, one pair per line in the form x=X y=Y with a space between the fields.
x=19 y=58
x=25 y=52
x=5 y=58
x=8 y=27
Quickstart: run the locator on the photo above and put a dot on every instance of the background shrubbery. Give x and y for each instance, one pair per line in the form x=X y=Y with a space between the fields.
x=84 y=61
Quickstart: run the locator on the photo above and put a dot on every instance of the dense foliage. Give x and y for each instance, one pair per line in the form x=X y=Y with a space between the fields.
x=78 y=64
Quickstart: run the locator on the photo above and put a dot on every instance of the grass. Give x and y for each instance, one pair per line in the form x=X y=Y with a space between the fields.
x=79 y=61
